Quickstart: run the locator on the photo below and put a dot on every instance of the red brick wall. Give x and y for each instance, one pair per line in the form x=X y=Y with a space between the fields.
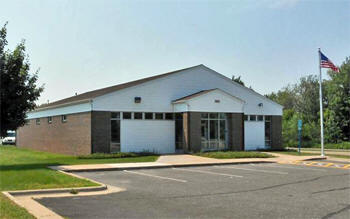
x=72 y=137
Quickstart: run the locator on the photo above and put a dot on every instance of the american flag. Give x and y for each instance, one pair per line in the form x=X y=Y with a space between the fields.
x=326 y=63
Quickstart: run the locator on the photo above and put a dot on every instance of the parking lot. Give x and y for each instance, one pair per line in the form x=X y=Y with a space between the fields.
x=225 y=191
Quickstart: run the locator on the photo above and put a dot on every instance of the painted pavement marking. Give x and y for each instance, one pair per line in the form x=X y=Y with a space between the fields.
x=319 y=164
x=285 y=167
x=207 y=172
x=155 y=176
x=255 y=170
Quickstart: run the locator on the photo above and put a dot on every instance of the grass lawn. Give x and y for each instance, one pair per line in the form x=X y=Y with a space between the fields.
x=22 y=169
x=234 y=154
x=294 y=152
x=342 y=145
x=8 y=209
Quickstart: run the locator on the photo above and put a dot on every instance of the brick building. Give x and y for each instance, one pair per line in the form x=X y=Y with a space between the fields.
x=188 y=110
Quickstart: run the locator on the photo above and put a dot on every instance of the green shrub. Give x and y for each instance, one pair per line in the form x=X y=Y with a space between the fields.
x=115 y=155
x=233 y=154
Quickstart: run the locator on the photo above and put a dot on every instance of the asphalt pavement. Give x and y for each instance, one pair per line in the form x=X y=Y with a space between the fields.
x=225 y=191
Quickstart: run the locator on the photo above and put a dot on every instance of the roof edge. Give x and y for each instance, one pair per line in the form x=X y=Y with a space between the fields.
x=204 y=92
x=60 y=105
x=250 y=90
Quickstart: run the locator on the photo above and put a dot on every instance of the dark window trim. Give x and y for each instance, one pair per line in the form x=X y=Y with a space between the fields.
x=131 y=117
x=63 y=118
x=155 y=116
x=138 y=118
x=152 y=115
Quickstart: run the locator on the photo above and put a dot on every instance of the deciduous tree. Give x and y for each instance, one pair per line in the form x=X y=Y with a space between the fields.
x=19 y=89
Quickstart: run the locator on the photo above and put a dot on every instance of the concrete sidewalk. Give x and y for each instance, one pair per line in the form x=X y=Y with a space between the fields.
x=181 y=160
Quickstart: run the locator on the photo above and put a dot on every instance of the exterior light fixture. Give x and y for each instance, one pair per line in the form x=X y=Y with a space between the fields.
x=137 y=99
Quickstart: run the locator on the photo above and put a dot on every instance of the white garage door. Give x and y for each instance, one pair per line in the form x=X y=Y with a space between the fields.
x=254 y=135
x=147 y=135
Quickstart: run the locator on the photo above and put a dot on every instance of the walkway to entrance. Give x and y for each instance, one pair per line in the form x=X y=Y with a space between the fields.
x=184 y=159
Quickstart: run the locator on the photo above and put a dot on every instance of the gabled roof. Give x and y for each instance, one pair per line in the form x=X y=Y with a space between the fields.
x=193 y=95
x=95 y=93
x=99 y=92
x=200 y=93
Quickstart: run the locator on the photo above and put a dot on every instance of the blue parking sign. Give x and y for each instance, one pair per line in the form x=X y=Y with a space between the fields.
x=300 y=124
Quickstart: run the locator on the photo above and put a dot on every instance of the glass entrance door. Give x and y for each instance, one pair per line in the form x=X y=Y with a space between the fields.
x=214 y=129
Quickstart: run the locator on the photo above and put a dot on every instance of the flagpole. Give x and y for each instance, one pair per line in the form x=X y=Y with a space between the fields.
x=321 y=105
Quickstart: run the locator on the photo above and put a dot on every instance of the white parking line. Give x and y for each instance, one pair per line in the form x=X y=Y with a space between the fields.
x=208 y=172
x=287 y=167
x=155 y=176
x=255 y=170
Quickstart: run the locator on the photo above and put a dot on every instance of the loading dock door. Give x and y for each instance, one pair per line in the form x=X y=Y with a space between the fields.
x=148 y=136
x=254 y=135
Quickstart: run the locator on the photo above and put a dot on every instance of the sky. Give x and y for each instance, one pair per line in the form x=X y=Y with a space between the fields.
x=83 y=45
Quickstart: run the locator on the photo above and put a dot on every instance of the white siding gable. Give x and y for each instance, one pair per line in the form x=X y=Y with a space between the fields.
x=157 y=95
x=213 y=101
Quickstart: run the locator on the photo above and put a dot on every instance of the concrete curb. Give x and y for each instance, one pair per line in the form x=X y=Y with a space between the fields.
x=154 y=167
x=315 y=158
x=27 y=198
x=55 y=191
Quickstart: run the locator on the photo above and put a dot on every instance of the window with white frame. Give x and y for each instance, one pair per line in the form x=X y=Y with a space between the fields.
x=64 y=118
x=213 y=131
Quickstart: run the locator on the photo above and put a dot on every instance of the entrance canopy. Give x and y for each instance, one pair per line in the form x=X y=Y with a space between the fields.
x=214 y=100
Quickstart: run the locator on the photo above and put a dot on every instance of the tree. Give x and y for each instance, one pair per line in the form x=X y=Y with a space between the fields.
x=337 y=99
x=307 y=98
x=19 y=89
x=238 y=80
x=286 y=97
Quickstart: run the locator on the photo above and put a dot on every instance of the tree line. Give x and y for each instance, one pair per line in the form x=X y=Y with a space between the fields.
x=301 y=101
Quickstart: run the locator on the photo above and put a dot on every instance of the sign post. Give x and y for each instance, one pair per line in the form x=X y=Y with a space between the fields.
x=300 y=124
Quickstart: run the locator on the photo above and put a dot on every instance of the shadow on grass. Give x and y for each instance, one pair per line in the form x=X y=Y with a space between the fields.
x=28 y=166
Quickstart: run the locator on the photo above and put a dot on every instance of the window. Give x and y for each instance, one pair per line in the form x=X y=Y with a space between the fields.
x=148 y=115
x=37 y=121
x=267 y=118
x=252 y=117
x=178 y=131
x=137 y=115
x=267 y=130
x=178 y=116
x=245 y=117
x=222 y=115
x=169 y=116
x=49 y=119
x=213 y=115
x=27 y=122
x=64 y=118
x=260 y=118
x=159 y=115
x=213 y=131
x=126 y=115
x=205 y=115
x=115 y=115
x=115 y=133
x=137 y=99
